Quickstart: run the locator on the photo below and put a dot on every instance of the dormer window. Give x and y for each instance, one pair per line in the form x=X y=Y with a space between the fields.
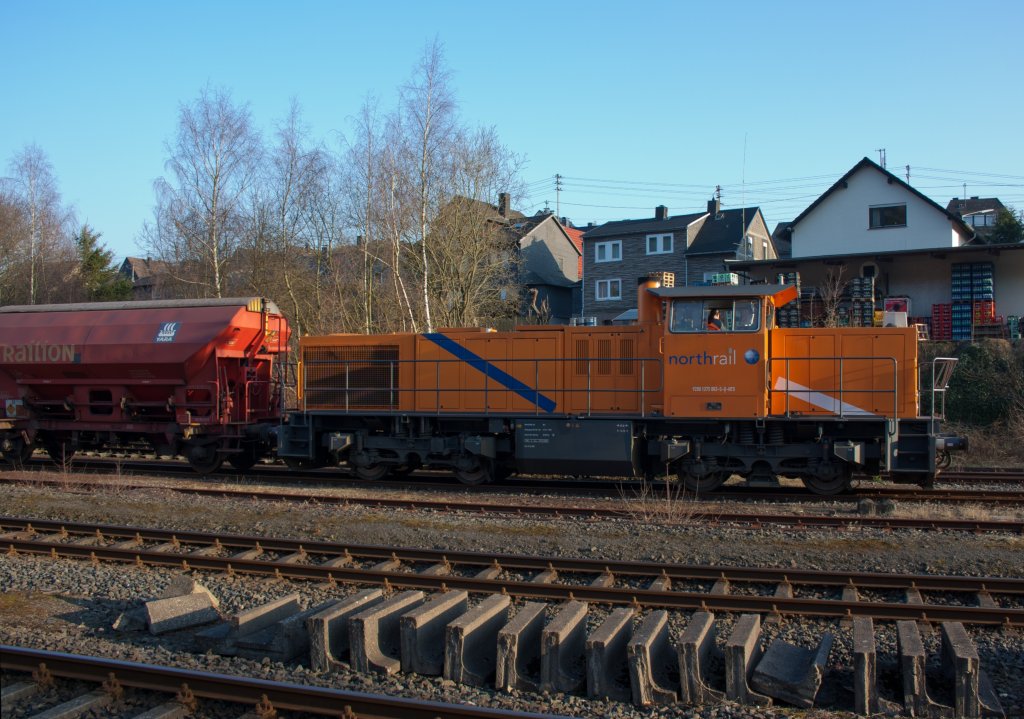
x=887 y=216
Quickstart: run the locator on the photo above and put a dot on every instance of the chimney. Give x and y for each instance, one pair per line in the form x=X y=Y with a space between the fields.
x=714 y=207
x=661 y=212
x=503 y=200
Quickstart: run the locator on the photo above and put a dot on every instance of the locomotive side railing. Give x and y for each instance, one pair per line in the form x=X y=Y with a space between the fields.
x=822 y=396
x=501 y=377
x=942 y=372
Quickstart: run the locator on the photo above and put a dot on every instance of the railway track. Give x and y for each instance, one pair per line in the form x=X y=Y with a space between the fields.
x=182 y=689
x=440 y=481
x=647 y=508
x=980 y=600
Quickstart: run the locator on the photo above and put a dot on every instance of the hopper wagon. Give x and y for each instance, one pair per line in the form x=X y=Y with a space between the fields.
x=199 y=378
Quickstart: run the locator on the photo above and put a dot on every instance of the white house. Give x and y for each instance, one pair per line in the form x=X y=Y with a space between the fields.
x=872 y=210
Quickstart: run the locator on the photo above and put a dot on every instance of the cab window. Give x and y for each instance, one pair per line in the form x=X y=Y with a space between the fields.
x=715 y=315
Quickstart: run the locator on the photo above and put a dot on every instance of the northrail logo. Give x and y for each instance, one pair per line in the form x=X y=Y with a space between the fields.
x=751 y=356
x=167 y=332
x=704 y=358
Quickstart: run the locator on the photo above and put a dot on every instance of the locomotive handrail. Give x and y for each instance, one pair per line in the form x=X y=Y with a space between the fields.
x=942 y=372
x=838 y=402
x=393 y=391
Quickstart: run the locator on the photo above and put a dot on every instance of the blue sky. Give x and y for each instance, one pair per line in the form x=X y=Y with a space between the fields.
x=634 y=104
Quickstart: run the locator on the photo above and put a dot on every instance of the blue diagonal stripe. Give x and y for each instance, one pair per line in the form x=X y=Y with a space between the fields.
x=489 y=370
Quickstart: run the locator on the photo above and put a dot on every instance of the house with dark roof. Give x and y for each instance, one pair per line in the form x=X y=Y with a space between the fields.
x=869 y=209
x=146 y=275
x=979 y=213
x=545 y=254
x=872 y=224
x=694 y=246
x=549 y=267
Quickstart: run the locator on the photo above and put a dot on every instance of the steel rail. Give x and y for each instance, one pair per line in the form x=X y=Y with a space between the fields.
x=687 y=600
x=441 y=479
x=627 y=510
x=246 y=690
x=626 y=490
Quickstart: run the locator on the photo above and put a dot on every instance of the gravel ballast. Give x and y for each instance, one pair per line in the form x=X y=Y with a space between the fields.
x=70 y=606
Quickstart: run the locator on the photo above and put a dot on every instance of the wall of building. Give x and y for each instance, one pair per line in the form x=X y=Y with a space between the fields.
x=923 y=277
x=549 y=253
x=840 y=224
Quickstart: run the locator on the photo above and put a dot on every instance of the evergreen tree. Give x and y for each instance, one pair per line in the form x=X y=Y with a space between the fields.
x=100 y=279
x=1008 y=228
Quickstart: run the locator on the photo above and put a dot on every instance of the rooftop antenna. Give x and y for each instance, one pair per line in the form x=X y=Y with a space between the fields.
x=881 y=156
x=743 y=199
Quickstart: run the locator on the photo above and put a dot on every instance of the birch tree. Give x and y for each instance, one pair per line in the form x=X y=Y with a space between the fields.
x=40 y=244
x=212 y=165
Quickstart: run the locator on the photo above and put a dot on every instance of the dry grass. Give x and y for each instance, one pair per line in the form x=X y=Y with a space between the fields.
x=673 y=505
x=29 y=610
x=1000 y=445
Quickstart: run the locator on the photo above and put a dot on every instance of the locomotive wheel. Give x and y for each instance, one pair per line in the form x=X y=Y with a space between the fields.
x=478 y=473
x=204 y=459
x=371 y=472
x=829 y=481
x=701 y=478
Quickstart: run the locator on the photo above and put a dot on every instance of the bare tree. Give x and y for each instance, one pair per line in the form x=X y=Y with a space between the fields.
x=212 y=162
x=38 y=229
x=428 y=106
x=831 y=292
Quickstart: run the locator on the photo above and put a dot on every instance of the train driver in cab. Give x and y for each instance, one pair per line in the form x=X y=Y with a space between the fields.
x=714 y=322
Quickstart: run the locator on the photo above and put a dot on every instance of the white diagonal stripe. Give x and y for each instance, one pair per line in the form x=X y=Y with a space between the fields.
x=818 y=399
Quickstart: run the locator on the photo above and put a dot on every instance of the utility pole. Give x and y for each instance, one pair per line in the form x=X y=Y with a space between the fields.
x=558 y=194
x=881 y=156
x=908 y=174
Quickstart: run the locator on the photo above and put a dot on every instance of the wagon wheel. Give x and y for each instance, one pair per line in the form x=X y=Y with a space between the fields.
x=60 y=452
x=17 y=453
x=701 y=477
x=204 y=458
x=244 y=460
x=474 y=471
x=371 y=472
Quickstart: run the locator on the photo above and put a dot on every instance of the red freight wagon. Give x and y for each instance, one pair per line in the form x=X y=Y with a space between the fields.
x=199 y=378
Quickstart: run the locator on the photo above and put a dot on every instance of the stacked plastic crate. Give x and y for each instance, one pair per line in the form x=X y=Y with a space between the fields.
x=973 y=294
x=862 y=305
x=942 y=322
x=788 y=315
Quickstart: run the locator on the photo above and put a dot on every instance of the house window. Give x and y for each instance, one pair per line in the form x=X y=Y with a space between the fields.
x=659 y=244
x=608 y=251
x=887 y=216
x=608 y=290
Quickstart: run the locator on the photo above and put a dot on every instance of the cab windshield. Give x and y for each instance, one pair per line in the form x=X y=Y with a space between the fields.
x=715 y=315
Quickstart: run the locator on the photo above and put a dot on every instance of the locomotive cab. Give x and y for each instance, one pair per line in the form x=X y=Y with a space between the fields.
x=758 y=401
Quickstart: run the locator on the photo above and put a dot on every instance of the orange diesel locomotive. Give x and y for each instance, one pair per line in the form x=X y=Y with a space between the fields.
x=672 y=394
